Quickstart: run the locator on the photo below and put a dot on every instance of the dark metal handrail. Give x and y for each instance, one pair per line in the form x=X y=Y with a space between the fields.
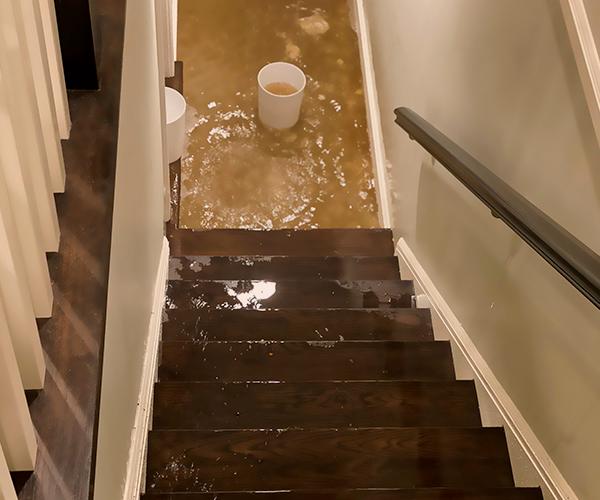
x=569 y=256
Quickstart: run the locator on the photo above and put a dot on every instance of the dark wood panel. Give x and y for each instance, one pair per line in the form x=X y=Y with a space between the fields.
x=288 y=294
x=317 y=242
x=298 y=324
x=279 y=268
x=176 y=81
x=358 y=458
x=404 y=494
x=305 y=361
x=315 y=405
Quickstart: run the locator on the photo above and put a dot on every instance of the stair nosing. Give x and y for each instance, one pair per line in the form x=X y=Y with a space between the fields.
x=496 y=428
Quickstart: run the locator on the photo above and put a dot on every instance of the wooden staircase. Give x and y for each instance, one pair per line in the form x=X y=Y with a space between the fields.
x=294 y=367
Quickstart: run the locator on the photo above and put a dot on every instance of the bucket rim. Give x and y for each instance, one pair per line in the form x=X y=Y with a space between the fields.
x=282 y=63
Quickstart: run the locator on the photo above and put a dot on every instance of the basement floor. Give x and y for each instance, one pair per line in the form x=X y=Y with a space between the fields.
x=238 y=174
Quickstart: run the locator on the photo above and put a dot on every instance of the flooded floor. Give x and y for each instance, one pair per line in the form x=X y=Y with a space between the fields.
x=236 y=173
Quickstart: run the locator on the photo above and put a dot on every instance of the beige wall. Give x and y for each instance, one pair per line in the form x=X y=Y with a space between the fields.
x=593 y=11
x=136 y=246
x=499 y=78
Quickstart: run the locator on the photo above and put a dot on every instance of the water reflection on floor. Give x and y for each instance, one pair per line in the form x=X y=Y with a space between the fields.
x=237 y=173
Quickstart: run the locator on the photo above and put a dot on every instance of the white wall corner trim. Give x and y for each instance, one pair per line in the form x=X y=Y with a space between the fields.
x=174 y=26
x=373 y=114
x=490 y=391
x=585 y=48
x=136 y=463
x=7 y=490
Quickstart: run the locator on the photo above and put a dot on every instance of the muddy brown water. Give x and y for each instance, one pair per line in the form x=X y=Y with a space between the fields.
x=235 y=172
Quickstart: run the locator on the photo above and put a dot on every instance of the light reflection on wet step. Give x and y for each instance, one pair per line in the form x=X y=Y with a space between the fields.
x=288 y=294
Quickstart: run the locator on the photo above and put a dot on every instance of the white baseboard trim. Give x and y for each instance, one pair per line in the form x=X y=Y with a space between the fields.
x=378 y=156
x=136 y=464
x=532 y=466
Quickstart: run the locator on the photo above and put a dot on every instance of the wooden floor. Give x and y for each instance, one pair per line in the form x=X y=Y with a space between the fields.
x=293 y=366
x=65 y=413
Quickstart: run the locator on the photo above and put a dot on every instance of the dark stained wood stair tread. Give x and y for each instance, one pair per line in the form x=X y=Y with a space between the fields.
x=298 y=324
x=314 y=459
x=288 y=294
x=315 y=405
x=305 y=361
x=347 y=268
x=293 y=366
x=313 y=242
x=398 y=494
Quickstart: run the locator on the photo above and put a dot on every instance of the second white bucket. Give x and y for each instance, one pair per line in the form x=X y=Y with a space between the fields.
x=280 y=111
x=176 y=106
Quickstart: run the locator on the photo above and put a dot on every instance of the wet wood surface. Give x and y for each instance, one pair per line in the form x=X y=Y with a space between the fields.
x=288 y=294
x=328 y=458
x=315 y=405
x=305 y=361
x=393 y=494
x=298 y=324
x=283 y=268
x=316 y=242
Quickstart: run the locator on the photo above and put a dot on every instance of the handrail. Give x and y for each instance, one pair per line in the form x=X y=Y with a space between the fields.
x=569 y=256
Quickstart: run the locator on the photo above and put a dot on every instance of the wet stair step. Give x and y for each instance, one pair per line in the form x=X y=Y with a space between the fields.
x=288 y=294
x=315 y=405
x=305 y=361
x=314 y=459
x=316 y=242
x=398 y=494
x=298 y=324
x=293 y=360
x=276 y=268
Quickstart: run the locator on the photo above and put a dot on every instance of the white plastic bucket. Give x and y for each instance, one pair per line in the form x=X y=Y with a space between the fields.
x=176 y=105
x=280 y=111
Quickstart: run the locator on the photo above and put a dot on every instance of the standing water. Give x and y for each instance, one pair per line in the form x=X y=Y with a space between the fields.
x=238 y=174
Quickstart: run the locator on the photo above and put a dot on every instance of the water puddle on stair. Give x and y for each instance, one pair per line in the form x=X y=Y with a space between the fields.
x=236 y=173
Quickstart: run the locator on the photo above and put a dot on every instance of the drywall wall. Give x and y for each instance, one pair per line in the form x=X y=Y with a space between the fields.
x=593 y=13
x=136 y=246
x=500 y=79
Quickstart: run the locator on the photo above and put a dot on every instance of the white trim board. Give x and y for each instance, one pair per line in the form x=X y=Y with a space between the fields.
x=136 y=463
x=7 y=490
x=585 y=48
x=174 y=27
x=373 y=113
x=532 y=466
